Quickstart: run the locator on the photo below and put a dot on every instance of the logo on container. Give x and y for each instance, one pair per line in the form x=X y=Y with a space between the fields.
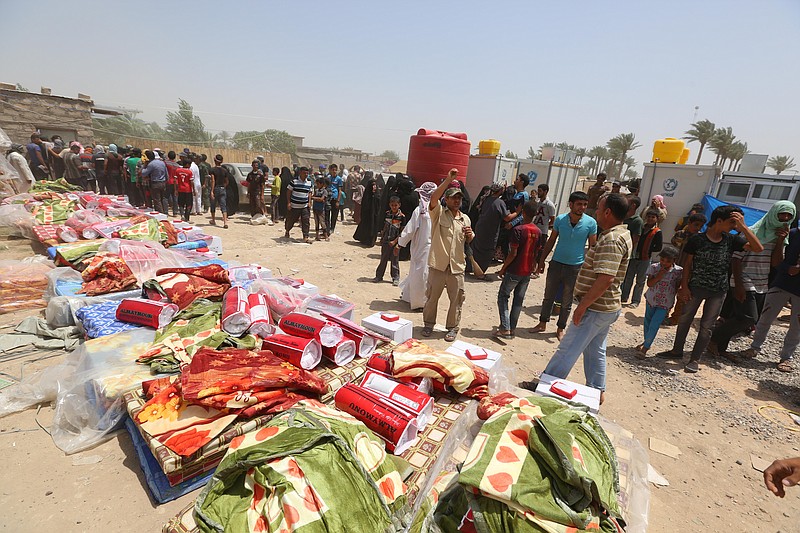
x=670 y=185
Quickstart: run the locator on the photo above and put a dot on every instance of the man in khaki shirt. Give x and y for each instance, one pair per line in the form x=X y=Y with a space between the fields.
x=450 y=228
x=598 y=291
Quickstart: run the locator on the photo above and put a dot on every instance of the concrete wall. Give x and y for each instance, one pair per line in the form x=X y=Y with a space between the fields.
x=23 y=113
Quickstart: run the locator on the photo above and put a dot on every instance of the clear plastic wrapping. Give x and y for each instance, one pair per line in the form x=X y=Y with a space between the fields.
x=144 y=257
x=23 y=283
x=87 y=388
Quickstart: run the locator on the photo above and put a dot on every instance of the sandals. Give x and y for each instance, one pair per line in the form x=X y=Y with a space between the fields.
x=426 y=331
x=502 y=334
x=451 y=335
x=786 y=366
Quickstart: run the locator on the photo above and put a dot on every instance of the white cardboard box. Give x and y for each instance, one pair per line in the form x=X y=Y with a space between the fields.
x=588 y=396
x=460 y=348
x=399 y=331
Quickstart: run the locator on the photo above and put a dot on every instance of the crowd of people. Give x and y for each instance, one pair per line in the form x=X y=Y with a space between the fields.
x=741 y=277
x=607 y=250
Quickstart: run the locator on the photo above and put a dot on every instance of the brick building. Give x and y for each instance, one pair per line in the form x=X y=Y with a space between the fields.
x=23 y=113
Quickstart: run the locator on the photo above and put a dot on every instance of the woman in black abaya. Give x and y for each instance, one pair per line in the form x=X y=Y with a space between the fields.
x=409 y=200
x=371 y=214
x=286 y=180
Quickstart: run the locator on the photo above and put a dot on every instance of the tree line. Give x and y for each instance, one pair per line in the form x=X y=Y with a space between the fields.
x=728 y=150
x=184 y=126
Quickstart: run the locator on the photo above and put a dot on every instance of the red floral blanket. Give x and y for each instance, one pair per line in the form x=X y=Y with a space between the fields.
x=215 y=389
x=182 y=286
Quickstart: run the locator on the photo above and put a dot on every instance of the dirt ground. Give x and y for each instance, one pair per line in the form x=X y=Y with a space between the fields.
x=711 y=416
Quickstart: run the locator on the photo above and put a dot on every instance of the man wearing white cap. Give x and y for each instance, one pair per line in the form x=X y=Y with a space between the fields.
x=418 y=233
x=450 y=229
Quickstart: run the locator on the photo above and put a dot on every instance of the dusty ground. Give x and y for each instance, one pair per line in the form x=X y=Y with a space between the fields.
x=711 y=417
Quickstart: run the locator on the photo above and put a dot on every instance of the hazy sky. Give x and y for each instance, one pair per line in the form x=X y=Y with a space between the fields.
x=369 y=74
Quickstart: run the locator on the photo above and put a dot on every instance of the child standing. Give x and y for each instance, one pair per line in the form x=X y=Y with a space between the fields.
x=663 y=281
x=390 y=250
x=320 y=198
x=648 y=243
x=183 y=189
x=696 y=223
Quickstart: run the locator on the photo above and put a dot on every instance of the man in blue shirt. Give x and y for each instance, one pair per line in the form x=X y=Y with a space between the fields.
x=571 y=230
x=336 y=185
x=36 y=157
x=156 y=170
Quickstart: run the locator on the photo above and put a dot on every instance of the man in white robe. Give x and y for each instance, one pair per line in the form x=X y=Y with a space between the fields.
x=418 y=233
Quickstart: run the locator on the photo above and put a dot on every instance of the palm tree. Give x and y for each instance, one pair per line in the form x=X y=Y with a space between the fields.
x=629 y=162
x=721 y=144
x=623 y=143
x=595 y=154
x=702 y=132
x=614 y=156
x=631 y=174
x=737 y=151
x=779 y=163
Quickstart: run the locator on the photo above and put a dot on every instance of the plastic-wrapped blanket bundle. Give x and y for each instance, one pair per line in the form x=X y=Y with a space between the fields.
x=100 y=319
x=281 y=297
x=304 y=325
x=23 y=284
x=302 y=352
x=387 y=421
x=235 y=311
x=365 y=341
x=87 y=388
x=341 y=353
x=259 y=314
x=146 y=312
x=418 y=404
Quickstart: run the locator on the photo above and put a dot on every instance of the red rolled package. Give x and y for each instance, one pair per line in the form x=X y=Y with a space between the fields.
x=235 y=311
x=144 y=312
x=421 y=405
x=342 y=353
x=393 y=425
x=365 y=340
x=301 y=352
x=382 y=362
x=305 y=325
x=259 y=314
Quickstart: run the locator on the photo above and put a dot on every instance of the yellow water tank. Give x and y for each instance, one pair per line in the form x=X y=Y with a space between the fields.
x=489 y=147
x=684 y=156
x=668 y=150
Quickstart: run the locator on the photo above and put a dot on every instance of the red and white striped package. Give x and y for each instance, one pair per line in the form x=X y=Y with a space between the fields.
x=382 y=364
x=342 y=353
x=365 y=340
x=305 y=325
x=146 y=312
x=301 y=352
x=235 y=311
x=421 y=405
x=393 y=425
x=259 y=314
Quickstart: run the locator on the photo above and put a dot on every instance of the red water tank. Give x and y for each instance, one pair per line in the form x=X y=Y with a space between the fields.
x=432 y=153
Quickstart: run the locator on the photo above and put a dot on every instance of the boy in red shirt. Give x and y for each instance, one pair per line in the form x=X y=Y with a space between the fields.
x=516 y=271
x=183 y=189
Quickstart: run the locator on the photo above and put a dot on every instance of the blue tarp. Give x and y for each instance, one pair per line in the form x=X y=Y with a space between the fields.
x=751 y=216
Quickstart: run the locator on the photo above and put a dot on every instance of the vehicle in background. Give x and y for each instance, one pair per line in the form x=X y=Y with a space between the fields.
x=237 y=191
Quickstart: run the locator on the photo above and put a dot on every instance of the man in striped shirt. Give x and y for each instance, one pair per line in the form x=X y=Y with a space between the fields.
x=298 y=204
x=598 y=291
